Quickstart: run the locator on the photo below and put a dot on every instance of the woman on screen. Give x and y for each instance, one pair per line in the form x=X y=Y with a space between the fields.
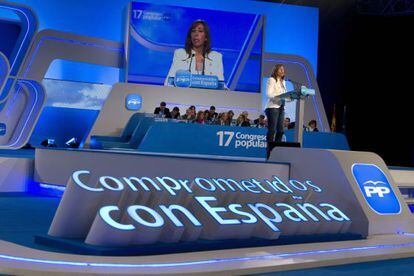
x=275 y=107
x=197 y=56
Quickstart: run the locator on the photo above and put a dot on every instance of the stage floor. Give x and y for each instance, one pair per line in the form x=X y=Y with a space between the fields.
x=23 y=216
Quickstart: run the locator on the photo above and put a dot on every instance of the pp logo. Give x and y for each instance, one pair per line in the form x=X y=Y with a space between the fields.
x=182 y=78
x=376 y=189
x=2 y=129
x=133 y=102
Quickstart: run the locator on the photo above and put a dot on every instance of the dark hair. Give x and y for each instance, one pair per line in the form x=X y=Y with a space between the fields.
x=287 y=118
x=262 y=116
x=176 y=108
x=275 y=69
x=199 y=113
x=192 y=107
x=163 y=104
x=312 y=122
x=207 y=44
x=212 y=107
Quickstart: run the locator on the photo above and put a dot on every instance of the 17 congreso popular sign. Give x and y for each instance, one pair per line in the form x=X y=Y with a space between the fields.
x=124 y=210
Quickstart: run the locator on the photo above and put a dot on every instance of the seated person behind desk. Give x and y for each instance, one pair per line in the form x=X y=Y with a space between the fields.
x=312 y=126
x=175 y=114
x=197 y=56
x=189 y=115
x=242 y=121
x=213 y=113
x=207 y=117
x=200 y=118
x=260 y=122
x=162 y=111
x=286 y=123
x=246 y=114
x=223 y=119
x=230 y=115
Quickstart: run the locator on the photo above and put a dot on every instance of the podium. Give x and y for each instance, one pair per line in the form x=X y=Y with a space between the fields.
x=299 y=95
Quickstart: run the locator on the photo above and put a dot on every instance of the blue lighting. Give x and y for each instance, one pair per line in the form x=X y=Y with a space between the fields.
x=208 y=261
x=26 y=26
x=45 y=189
x=30 y=113
x=405 y=234
x=52 y=187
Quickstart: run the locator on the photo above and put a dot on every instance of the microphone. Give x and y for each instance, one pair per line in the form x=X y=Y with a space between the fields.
x=204 y=63
x=191 y=61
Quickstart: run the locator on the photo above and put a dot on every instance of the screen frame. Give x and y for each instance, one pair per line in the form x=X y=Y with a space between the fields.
x=127 y=34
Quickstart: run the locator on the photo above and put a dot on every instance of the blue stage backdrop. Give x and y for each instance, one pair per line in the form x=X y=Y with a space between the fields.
x=157 y=30
x=288 y=29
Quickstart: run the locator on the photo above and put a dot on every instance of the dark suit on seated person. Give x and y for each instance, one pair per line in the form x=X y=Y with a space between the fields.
x=162 y=111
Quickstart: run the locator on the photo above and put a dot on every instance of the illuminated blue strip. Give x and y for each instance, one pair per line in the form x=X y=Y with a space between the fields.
x=59 y=188
x=13 y=100
x=70 y=41
x=25 y=36
x=30 y=113
x=309 y=83
x=208 y=261
x=243 y=49
x=406 y=234
x=4 y=72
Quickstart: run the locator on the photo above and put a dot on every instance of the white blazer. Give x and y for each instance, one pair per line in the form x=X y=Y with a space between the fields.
x=181 y=61
x=273 y=91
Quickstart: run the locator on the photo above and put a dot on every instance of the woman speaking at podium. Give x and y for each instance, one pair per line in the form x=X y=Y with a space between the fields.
x=275 y=107
x=197 y=56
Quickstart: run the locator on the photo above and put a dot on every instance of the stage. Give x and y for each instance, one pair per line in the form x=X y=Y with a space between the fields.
x=28 y=215
x=139 y=144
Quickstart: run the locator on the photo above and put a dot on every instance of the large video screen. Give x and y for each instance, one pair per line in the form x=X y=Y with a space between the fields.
x=161 y=42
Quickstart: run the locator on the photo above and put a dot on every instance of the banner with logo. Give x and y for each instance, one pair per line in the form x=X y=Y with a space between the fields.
x=128 y=200
x=135 y=199
x=133 y=102
x=193 y=138
x=183 y=78
x=376 y=189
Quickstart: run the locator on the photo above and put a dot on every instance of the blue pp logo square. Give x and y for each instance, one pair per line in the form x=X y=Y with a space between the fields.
x=182 y=78
x=376 y=189
x=2 y=129
x=133 y=102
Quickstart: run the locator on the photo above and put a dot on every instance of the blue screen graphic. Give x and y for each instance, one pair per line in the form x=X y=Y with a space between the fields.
x=376 y=189
x=289 y=29
x=157 y=30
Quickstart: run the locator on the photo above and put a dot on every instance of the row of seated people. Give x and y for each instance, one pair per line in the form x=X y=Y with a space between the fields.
x=225 y=118
x=139 y=123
